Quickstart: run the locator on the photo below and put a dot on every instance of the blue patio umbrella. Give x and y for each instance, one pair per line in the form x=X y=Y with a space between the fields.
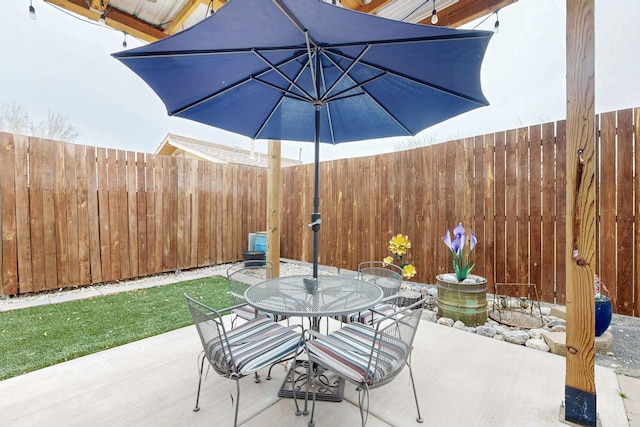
x=306 y=70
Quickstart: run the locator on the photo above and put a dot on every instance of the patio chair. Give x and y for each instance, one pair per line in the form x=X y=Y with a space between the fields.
x=366 y=356
x=240 y=278
x=389 y=278
x=237 y=352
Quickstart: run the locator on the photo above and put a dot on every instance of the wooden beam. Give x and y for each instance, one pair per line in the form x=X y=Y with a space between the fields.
x=372 y=7
x=463 y=12
x=274 y=178
x=176 y=24
x=115 y=18
x=580 y=390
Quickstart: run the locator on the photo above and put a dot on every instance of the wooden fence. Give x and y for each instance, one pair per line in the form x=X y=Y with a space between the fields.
x=508 y=187
x=73 y=215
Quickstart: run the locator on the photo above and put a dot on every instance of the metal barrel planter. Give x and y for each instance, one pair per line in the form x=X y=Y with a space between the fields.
x=466 y=302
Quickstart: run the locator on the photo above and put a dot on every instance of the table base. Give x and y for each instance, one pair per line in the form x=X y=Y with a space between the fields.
x=329 y=387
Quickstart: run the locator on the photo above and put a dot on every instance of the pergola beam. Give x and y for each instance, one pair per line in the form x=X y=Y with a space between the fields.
x=461 y=13
x=114 y=18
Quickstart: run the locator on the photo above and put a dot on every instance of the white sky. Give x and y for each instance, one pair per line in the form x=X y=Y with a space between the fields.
x=62 y=64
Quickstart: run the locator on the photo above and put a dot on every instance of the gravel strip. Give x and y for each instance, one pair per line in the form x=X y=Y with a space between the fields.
x=624 y=357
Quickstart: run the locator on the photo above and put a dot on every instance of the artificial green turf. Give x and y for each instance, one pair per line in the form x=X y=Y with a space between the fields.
x=36 y=337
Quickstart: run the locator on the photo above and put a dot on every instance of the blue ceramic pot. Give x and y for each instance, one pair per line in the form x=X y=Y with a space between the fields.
x=604 y=312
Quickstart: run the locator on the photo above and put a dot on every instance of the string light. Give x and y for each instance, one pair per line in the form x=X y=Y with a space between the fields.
x=124 y=42
x=434 y=14
x=496 y=26
x=32 y=11
x=62 y=10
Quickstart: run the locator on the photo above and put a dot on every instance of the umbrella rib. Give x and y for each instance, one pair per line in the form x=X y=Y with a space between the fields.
x=207 y=98
x=273 y=110
x=339 y=96
x=434 y=39
x=233 y=86
x=416 y=81
x=285 y=92
x=293 y=20
x=308 y=41
x=281 y=74
x=365 y=92
x=132 y=54
x=345 y=72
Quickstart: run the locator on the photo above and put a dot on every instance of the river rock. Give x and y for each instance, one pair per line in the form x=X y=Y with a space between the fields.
x=486 y=331
x=458 y=325
x=537 y=344
x=501 y=330
x=445 y=321
x=429 y=316
x=536 y=333
x=516 y=337
x=555 y=322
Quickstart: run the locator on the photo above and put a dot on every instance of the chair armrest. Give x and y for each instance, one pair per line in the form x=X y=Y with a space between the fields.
x=395 y=314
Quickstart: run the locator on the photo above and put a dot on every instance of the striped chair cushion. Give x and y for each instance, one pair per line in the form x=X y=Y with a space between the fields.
x=248 y=313
x=255 y=344
x=351 y=317
x=369 y=317
x=347 y=353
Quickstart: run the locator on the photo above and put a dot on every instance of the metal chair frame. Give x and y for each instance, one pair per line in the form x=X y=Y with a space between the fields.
x=241 y=277
x=237 y=352
x=365 y=363
x=374 y=271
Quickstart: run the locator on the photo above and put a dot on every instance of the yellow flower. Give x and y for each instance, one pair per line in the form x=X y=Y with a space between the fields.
x=409 y=271
x=399 y=244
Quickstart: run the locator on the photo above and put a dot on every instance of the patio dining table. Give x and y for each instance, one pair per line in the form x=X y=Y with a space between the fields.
x=303 y=296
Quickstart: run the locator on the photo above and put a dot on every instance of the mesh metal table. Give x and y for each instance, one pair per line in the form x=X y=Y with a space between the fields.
x=302 y=296
x=298 y=296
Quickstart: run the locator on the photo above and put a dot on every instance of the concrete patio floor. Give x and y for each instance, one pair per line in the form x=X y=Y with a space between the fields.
x=462 y=380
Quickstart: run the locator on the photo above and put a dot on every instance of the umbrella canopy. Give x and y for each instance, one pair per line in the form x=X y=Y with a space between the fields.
x=306 y=70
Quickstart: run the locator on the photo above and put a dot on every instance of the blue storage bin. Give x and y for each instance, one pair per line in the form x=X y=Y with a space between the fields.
x=261 y=242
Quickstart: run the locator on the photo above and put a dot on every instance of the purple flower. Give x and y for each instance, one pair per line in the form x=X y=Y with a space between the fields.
x=457 y=245
x=447 y=240
x=472 y=242
x=461 y=263
x=459 y=230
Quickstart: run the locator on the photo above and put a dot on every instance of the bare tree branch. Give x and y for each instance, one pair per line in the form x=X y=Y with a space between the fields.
x=15 y=119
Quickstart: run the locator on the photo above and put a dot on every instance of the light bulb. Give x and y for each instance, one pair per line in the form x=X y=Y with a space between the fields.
x=434 y=17
x=32 y=13
x=496 y=26
x=102 y=19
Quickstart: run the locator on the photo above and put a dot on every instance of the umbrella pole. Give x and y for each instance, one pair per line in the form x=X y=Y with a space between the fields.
x=315 y=216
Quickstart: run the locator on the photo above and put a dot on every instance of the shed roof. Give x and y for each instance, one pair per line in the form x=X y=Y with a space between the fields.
x=176 y=145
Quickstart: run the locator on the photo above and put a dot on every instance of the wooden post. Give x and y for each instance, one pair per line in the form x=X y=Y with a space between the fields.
x=580 y=390
x=273 y=205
